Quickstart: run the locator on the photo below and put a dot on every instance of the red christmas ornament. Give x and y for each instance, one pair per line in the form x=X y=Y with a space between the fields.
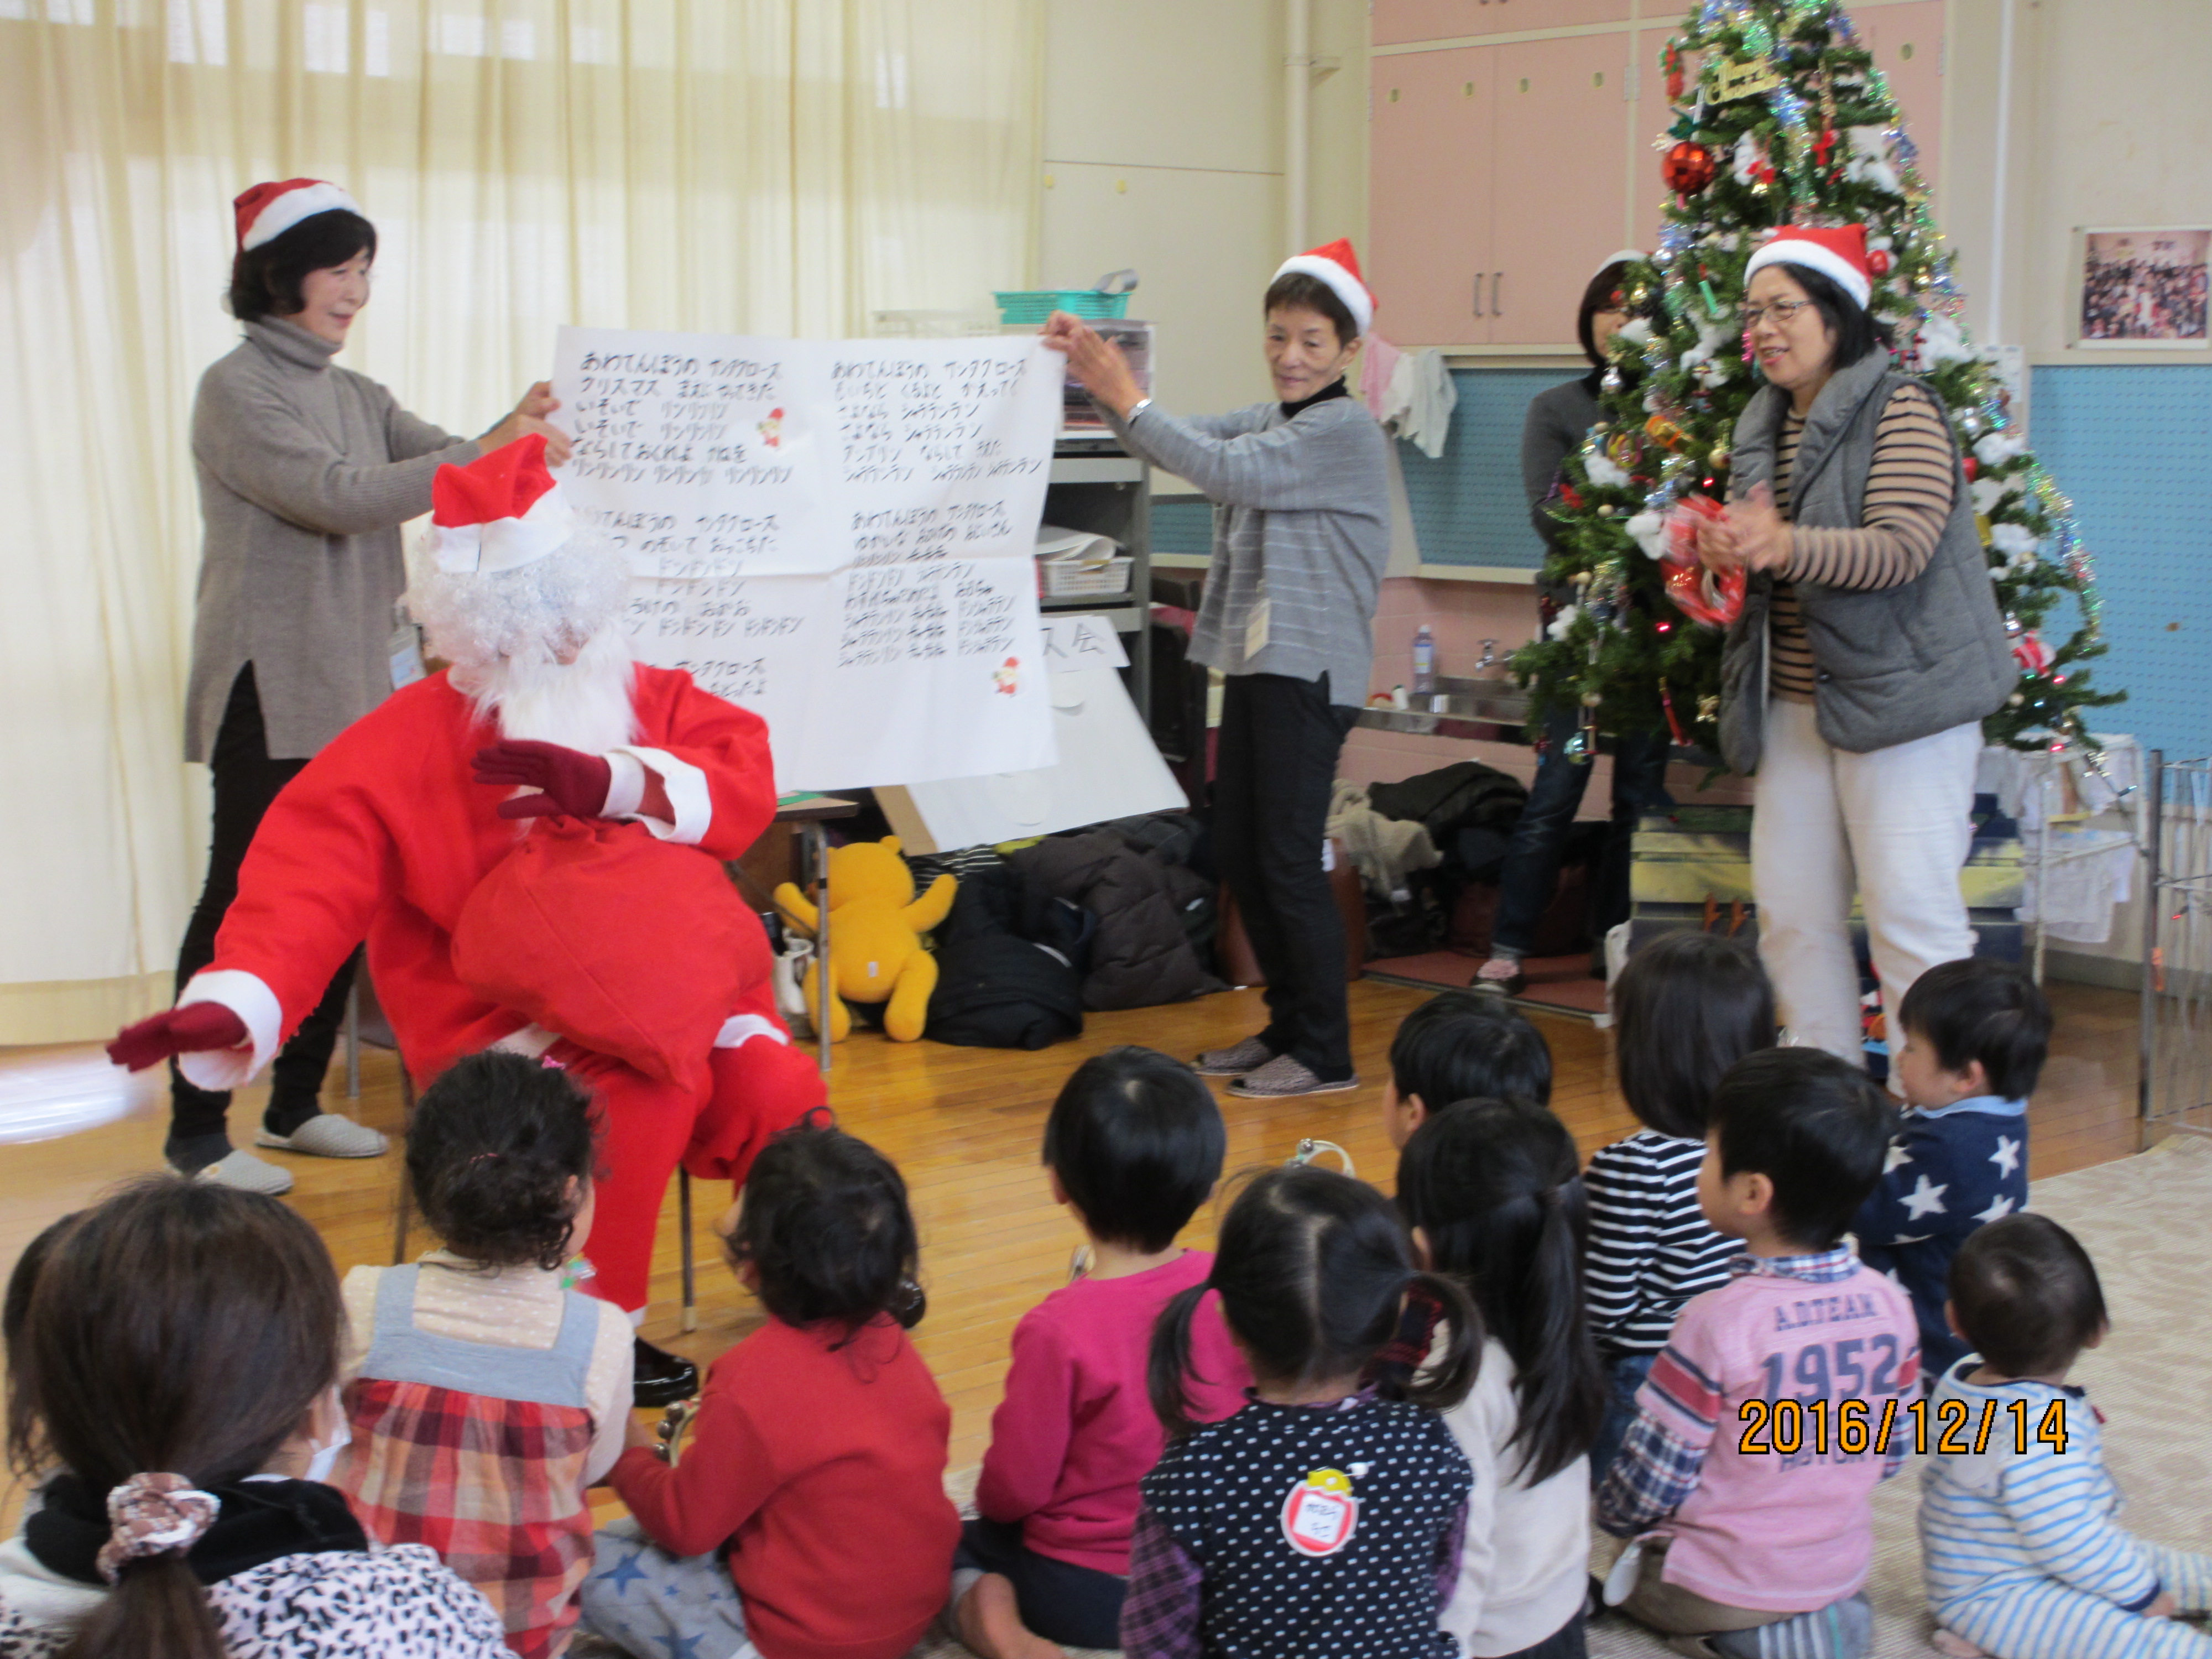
x=1878 y=261
x=1972 y=465
x=1688 y=169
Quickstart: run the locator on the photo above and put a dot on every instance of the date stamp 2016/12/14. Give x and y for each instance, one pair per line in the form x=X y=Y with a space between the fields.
x=1789 y=1428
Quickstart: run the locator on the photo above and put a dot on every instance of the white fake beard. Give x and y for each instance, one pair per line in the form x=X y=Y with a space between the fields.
x=584 y=705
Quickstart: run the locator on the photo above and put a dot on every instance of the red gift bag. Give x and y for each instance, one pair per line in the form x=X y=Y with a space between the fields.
x=629 y=946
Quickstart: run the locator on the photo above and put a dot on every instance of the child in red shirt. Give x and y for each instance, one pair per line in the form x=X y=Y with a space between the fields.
x=1133 y=1146
x=808 y=1518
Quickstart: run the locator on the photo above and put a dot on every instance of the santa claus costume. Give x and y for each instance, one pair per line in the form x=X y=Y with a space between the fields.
x=393 y=829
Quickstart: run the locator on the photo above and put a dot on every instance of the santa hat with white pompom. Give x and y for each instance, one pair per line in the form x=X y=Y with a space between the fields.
x=267 y=212
x=1840 y=254
x=1336 y=267
x=500 y=512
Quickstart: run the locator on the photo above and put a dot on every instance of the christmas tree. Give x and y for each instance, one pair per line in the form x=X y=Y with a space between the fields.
x=1780 y=118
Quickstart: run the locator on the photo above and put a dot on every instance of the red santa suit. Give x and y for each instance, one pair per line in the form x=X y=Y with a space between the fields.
x=384 y=837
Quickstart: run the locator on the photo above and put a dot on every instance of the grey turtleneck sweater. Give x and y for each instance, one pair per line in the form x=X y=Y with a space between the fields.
x=307 y=471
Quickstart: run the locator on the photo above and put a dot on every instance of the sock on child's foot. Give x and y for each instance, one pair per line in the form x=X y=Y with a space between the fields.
x=190 y=1154
x=1842 y=1630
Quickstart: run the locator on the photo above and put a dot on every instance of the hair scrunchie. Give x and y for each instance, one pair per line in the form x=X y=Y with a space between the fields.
x=154 y=1515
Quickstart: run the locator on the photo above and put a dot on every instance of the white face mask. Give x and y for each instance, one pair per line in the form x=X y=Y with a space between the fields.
x=326 y=1455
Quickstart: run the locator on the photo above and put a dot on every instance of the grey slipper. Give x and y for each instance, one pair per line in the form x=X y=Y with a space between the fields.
x=247 y=1173
x=1282 y=1077
x=1235 y=1061
x=327 y=1135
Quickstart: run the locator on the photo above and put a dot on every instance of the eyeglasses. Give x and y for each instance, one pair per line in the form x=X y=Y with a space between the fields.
x=1784 y=311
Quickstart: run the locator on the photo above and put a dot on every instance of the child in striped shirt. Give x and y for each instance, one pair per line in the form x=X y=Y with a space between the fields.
x=2022 y=1556
x=1687 y=1007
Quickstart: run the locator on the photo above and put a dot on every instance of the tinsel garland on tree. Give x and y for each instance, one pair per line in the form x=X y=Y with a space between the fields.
x=1780 y=118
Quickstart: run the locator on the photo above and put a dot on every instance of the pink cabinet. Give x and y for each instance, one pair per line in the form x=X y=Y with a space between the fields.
x=1429 y=195
x=1397 y=21
x=1908 y=46
x=1560 y=180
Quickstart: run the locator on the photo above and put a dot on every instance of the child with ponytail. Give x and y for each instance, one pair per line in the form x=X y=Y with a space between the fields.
x=485 y=1395
x=177 y=1360
x=1327 y=1514
x=1496 y=1202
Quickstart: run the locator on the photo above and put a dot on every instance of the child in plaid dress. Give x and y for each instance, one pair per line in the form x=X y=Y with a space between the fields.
x=485 y=1396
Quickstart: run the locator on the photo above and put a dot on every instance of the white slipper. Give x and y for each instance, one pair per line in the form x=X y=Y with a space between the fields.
x=327 y=1135
x=247 y=1173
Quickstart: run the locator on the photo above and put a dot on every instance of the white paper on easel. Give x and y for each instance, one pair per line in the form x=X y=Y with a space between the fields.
x=838 y=535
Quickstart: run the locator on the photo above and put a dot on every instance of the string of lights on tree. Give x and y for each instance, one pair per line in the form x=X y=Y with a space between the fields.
x=1780 y=118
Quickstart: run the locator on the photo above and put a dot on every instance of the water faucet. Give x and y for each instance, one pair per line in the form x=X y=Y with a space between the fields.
x=1489 y=660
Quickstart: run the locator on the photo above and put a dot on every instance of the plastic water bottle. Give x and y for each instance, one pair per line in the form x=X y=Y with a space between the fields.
x=1425 y=661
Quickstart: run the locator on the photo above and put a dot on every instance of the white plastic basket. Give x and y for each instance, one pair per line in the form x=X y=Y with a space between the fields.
x=1069 y=578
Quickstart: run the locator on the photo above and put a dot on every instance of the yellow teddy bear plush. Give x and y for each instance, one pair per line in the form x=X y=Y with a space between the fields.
x=875 y=943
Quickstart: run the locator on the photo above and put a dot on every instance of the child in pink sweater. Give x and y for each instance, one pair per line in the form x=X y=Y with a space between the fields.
x=1747 y=1476
x=1133 y=1146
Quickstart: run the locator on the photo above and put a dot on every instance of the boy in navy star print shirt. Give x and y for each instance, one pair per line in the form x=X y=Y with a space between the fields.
x=1976 y=1033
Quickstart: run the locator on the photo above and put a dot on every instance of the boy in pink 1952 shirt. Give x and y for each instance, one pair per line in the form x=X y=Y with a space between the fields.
x=1134 y=1145
x=1747 y=1476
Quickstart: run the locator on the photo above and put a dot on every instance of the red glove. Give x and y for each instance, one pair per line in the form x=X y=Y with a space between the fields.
x=572 y=784
x=180 y=1032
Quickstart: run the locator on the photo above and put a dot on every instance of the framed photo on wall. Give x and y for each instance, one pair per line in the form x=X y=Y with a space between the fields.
x=2144 y=287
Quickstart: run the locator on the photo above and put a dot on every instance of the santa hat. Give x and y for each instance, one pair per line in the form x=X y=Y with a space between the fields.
x=267 y=212
x=500 y=511
x=1840 y=255
x=1628 y=256
x=1337 y=268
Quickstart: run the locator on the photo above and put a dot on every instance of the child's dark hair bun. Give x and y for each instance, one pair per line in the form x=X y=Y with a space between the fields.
x=498 y=1151
x=910 y=1303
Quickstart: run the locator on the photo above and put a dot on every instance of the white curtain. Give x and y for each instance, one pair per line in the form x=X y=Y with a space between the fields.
x=772 y=167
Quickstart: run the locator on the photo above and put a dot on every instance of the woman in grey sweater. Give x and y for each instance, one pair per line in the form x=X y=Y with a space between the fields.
x=307 y=471
x=1301 y=535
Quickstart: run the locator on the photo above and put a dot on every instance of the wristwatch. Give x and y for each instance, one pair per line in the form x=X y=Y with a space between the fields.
x=1135 y=410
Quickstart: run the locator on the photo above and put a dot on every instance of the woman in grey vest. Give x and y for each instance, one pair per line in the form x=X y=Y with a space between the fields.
x=1869 y=649
x=307 y=471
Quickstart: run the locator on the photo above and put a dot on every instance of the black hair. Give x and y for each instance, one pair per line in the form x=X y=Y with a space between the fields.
x=1855 y=328
x=499 y=1150
x=178 y=1327
x=1606 y=291
x=1687 y=1007
x=1979 y=1009
x=1298 y=290
x=2026 y=1295
x=1495 y=1185
x=266 y=281
x=1465 y=1045
x=1816 y=1127
x=825 y=1227
x=1137 y=1141
x=1315 y=1271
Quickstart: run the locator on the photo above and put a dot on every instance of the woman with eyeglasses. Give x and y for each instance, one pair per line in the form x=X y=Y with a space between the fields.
x=1870 y=649
x=1559 y=419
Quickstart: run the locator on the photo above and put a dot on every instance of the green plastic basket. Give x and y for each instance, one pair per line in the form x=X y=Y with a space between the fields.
x=1034 y=305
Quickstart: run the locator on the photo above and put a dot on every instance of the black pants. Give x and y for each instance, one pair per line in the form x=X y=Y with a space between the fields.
x=245 y=782
x=1275 y=767
x=1076 y=1606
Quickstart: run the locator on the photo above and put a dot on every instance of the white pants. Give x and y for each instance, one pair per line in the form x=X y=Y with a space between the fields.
x=1896 y=825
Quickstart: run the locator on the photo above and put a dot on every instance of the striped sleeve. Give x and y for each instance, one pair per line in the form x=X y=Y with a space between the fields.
x=1677 y=1411
x=1908 y=501
x=1650 y=1248
x=2061 y=1512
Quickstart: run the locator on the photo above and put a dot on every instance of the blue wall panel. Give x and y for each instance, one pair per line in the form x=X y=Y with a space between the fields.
x=2133 y=447
x=1468 y=504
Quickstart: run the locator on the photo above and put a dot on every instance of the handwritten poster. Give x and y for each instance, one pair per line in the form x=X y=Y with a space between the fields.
x=838 y=535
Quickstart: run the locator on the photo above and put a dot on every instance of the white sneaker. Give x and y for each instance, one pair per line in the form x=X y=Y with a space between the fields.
x=327 y=1135
x=247 y=1173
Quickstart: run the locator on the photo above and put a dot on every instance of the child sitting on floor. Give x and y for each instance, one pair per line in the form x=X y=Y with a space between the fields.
x=808 y=1517
x=1976 y=1033
x=1134 y=1145
x=485 y=1397
x=1461 y=1045
x=1327 y=1514
x=177 y=1360
x=2016 y=1525
x=1749 y=1475
x=1496 y=1201
x=1686 y=1008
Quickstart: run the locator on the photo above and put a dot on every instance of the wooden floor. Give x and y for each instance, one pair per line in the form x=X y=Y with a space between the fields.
x=964 y=1124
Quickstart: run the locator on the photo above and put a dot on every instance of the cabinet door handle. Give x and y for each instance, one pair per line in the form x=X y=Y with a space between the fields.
x=1478 y=293
x=1498 y=294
